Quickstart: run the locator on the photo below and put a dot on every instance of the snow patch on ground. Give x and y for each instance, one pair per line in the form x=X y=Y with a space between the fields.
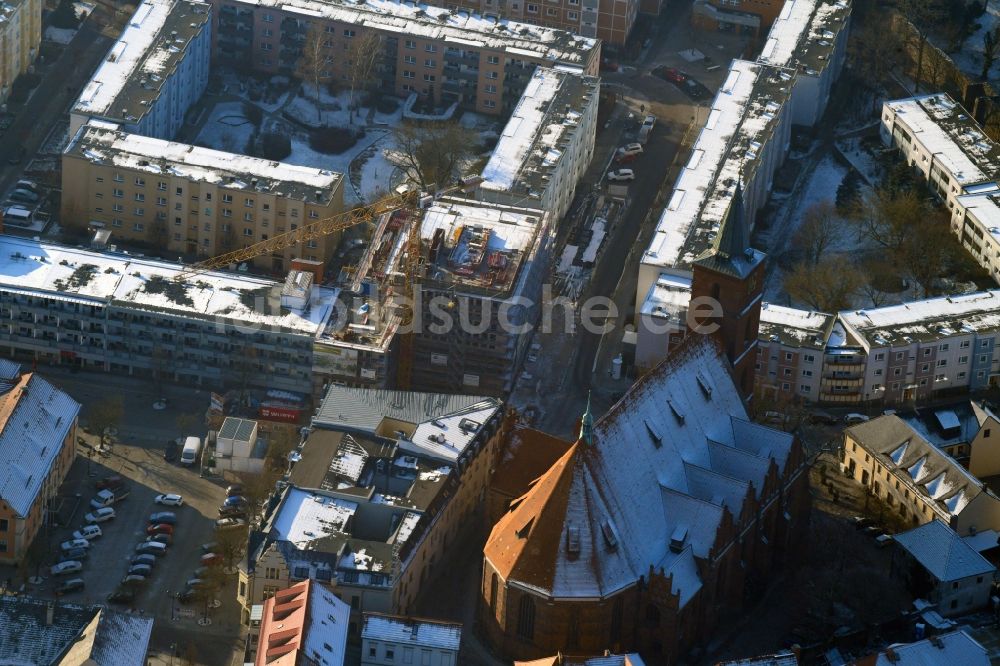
x=226 y=129
x=969 y=58
x=60 y=35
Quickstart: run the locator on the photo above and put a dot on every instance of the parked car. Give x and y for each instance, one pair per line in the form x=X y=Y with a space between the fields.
x=820 y=417
x=143 y=559
x=67 y=567
x=161 y=528
x=630 y=149
x=236 y=500
x=27 y=185
x=133 y=580
x=151 y=548
x=74 y=554
x=232 y=512
x=123 y=595
x=621 y=175
x=165 y=539
x=170 y=499
x=671 y=74
x=74 y=544
x=211 y=560
x=188 y=595
x=88 y=532
x=163 y=517
x=171 y=451
x=209 y=547
x=100 y=515
x=854 y=418
x=234 y=489
x=775 y=417
x=229 y=523
x=23 y=196
x=695 y=90
x=143 y=570
x=72 y=585
x=109 y=482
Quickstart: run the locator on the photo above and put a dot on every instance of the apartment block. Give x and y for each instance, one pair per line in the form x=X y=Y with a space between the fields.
x=415 y=641
x=155 y=71
x=892 y=354
x=744 y=141
x=915 y=479
x=37 y=446
x=546 y=146
x=608 y=20
x=944 y=144
x=20 y=35
x=447 y=55
x=194 y=201
x=791 y=352
x=809 y=37
x=385 y=482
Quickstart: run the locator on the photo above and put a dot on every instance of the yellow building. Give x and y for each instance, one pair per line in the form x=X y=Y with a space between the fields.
x=193 y=201
x=20 y=34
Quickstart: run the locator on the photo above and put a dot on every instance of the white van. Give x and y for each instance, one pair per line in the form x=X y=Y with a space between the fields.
x=192 y=445
x=18 y=216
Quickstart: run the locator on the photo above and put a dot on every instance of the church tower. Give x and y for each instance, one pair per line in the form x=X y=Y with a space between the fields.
x=726 y=289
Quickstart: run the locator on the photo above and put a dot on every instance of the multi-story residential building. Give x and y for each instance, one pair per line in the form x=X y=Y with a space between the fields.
x=20 y=35
x=791 y=352
x=45 y=632
x=155 y=71
x=441 y=54
x=385 y=482
x=961 y=164
x=744 y=141
x=547 y=144
x=194 y=201
x=387 y=640
x=744 y=17
x=891 y=354
x=951 y=574
x=919 y=481
x=607 y=659
x=809 y=37
x=609 y=21
x=123 y=313
x=303 y=625
x=37 y=446
x=480 y=276
x=650 y=525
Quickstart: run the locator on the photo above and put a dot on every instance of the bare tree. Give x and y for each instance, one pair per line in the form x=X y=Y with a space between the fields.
x=991 y=40
x=888 y=218
x=924 y=15
x=314 y=63
x=877 y=273
x=106 y=415
x=817 y=231
x=827 y=285
x=363 y=56
x=927 y=251
x=431 y=153
x=232 y=545
x=874 y=50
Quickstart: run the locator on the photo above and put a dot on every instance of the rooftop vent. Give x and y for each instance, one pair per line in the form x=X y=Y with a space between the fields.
x=610 y=538
x=653 y=434
x=573 y=540
x=678 y=538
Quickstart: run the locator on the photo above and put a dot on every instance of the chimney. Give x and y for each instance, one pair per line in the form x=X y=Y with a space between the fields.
x=50 y=611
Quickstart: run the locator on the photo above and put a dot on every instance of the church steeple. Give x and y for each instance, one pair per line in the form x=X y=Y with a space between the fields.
x=730 y=251
x=587 y=425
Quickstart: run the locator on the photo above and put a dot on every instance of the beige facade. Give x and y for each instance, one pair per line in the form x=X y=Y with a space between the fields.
x=201 y=205
x=610 y=21
x=984 y=456
x=20 y=34
x=446 y=56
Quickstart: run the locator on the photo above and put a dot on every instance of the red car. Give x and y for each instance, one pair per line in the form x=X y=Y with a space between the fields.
x=673 y=75
x=161 y=528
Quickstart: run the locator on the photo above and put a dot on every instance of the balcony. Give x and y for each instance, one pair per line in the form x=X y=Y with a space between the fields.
x=847 y=385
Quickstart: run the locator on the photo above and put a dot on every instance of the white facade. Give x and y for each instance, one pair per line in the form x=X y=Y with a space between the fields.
x=387 y=640
x=547 y=144
x=155 y=71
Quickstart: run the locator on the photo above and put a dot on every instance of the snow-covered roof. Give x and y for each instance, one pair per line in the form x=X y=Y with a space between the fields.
x=948 y=133
x=944 y=554
x=433 y=634
x=741 y=120
x=982 y=207
x=35 y=420
x=668 y=297
x=92 y=634
x=929 y=472
x=928 y=319
x=460 y=28
x=983 y=540
x=956 y=647
x=104 y=143
x=665 y=465
x=779 y=659
x=83 y=276
x=326 y=631
x=546 y=115
x=804 y=35
x=305 y=517
x=794 y=327
x=152 y=45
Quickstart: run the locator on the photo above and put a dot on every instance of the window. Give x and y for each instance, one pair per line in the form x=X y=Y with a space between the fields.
x=268 y=18
x=177 y=221
x=896 y=372
x=962 y=360
x=390 y=653
x=227 y=198
x=4 y=525
x=100 y=179
x=572 y=16
x=805 y=388
x=943 y=346
x=878 y=372
x=138 y=226
x=491 y=75
x=313 y=215
x=961 y=375
x=808 y=358
x=526 y=617
x=349 y=33
x=407 y=74
x=248 y=202
x=430 y=62
x=493 y=60
x=927 y=351
x=118 y=208
x=925 y=367
x=880 y=356
x=532 y=9
x=410 y=44
x=410 y=60
x=355 y=602
x=964 y=344
x=939 y=378
x=899 y=356
x=117 y=193
x=227 y=212
x=179 y=191
x=550 y=11
x=489 y=103
x=429 y=77
x=139 y=212
x=116 y=222
x=984 y=343
x=118 y=178
x=407 y=655
x=983 y=358
x=161 y=186
x=425 y=658
x=140 y=197
x=248 y=232
x=248 y=217
x=942 y=362
x=431 y=48
x=807 y=373
x=161 y=201
x=373 y=650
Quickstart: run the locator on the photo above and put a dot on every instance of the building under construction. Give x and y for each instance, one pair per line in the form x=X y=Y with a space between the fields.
x=480 y=271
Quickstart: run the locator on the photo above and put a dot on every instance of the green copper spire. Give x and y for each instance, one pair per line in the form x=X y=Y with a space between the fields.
x=587 y=424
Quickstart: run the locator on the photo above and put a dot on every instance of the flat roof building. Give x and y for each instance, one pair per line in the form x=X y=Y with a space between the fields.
x=155 y=71
x=383 y=636
x=546 y=145
x=20 y=36
x=193 y=201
